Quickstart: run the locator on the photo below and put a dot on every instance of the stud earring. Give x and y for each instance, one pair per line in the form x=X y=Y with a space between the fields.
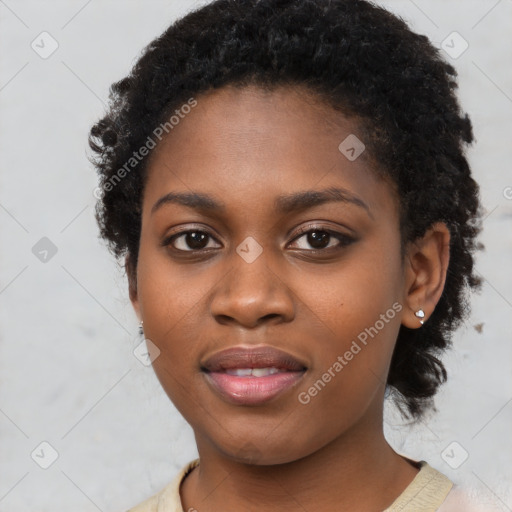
x=420 y=314
x=141 y=330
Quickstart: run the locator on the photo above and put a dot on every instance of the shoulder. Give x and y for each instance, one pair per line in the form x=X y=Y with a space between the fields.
x=167 y=499
x=425 y=493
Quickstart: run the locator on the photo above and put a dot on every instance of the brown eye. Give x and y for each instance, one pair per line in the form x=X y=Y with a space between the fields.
x=189 y=241
x=319 y=239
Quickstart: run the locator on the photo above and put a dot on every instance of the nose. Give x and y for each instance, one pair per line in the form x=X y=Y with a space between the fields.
x=251 y=294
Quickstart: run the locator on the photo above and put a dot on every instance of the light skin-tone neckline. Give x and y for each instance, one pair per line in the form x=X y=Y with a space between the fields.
x=248 y=163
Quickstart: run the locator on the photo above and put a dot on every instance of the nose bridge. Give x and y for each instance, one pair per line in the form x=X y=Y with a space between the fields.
x=251 y=290
x=251 y=269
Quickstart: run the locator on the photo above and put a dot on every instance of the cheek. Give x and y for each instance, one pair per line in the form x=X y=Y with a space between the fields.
x=358 y=315
x=172 y=304
x=356 y=298
x=171 y=297
x=348 y=378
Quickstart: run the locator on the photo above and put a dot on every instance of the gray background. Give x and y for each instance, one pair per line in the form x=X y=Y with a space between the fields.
x=68 y=375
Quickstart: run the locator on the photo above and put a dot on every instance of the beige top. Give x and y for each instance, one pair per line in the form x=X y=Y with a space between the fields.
x=425 y=493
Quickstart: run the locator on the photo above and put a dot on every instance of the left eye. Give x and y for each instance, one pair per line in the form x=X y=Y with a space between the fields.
x=319 y=239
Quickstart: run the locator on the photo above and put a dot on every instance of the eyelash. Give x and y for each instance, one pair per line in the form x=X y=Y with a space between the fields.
x=344 y=240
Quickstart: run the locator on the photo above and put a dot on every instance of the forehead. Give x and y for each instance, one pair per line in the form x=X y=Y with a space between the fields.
x=249 y=145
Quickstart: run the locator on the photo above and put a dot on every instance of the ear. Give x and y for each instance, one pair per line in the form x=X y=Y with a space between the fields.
x=426 y=262
x=131 y=273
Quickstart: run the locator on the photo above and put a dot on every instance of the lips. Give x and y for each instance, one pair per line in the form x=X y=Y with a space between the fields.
x=252 y=375
x=252 y=357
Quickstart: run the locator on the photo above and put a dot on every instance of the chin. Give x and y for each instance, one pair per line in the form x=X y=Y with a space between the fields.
x=263 y=453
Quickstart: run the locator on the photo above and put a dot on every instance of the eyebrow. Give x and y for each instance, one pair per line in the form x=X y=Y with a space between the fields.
x=284 y=204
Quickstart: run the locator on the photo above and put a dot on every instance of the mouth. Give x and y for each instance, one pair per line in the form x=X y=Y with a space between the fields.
x=252 y=376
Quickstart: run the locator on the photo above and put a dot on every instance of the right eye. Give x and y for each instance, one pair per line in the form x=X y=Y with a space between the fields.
x=194 y=239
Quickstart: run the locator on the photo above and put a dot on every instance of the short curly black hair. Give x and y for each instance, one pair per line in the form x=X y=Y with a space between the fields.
x=359 y=59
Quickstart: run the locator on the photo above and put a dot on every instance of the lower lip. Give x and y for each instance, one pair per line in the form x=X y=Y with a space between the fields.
x=252 y=390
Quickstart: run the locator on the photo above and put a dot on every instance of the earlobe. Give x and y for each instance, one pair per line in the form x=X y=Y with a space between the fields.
x=420 y=314
x=427 y=262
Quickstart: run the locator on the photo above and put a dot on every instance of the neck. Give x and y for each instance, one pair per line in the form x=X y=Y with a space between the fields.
x=336 y=477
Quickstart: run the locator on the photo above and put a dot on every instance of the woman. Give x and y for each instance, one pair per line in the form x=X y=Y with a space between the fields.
x=288 y=184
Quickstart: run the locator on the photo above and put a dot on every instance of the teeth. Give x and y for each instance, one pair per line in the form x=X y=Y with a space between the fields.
x=240 y=372
x=263 y=372
x=255 y=372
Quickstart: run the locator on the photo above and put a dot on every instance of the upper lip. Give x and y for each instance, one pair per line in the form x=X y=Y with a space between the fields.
x=252 y=357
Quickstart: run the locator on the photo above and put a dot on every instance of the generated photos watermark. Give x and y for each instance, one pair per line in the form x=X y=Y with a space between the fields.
x=355 y=348
x=144 y=150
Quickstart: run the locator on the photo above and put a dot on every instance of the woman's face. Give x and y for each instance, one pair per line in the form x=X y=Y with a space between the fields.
x=258 y=269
